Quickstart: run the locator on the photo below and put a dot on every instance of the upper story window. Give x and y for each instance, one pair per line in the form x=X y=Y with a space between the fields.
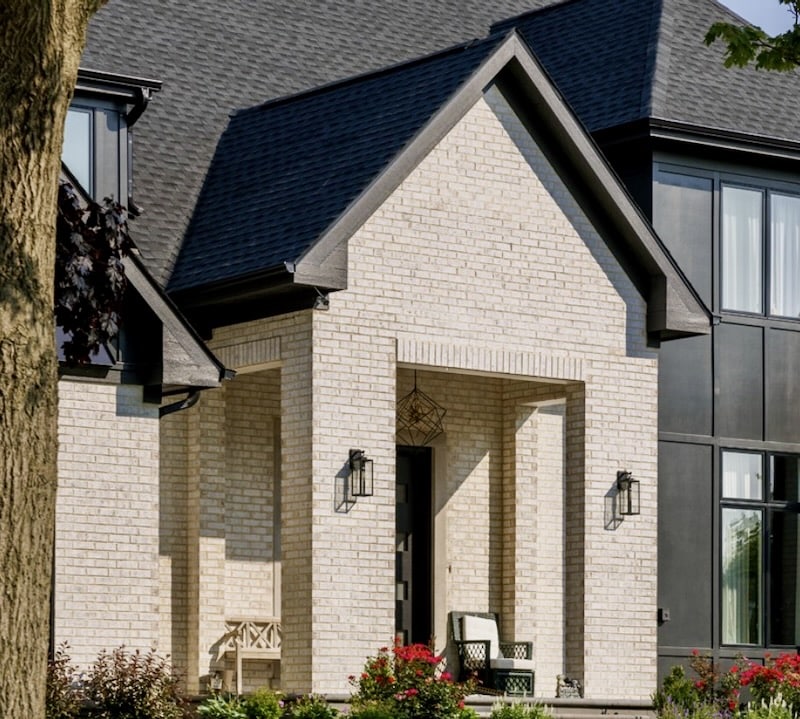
x=97 y=132
x=760 y=251
x=95 y=148
x=77 y=153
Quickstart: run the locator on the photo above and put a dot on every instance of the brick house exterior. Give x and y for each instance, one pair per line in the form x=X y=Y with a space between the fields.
x=393 y=220
x=551 y=399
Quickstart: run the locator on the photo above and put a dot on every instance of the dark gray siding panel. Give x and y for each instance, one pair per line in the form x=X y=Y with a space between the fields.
x=684 y=542
x=682 y=216
x=783 y=385
x=686 y=396
x=740 y=378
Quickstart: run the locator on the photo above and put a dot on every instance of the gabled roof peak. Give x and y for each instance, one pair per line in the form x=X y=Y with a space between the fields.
x=292 y=180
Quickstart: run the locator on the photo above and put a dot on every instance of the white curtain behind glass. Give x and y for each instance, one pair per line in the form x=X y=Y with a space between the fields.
x=741 y=475
x=785 y=256
x=741 y=249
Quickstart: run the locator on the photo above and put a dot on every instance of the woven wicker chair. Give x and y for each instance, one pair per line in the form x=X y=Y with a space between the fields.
x=499 y=666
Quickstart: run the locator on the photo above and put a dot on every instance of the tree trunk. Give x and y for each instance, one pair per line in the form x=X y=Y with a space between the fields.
x=40 y=47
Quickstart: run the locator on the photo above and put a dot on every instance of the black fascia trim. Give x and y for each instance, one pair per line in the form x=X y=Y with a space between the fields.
x=253 y=286
x=107 y=84
x=293 y=298
x=722 y=139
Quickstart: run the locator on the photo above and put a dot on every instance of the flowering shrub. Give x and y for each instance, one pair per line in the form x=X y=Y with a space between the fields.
x=778 y=677
x=405 y=682
x=712 y=689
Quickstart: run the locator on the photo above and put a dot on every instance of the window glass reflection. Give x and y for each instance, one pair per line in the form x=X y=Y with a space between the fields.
x=741 y=576
x=77 y=151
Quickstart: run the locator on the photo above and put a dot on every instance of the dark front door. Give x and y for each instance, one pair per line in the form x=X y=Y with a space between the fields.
x=414 y=532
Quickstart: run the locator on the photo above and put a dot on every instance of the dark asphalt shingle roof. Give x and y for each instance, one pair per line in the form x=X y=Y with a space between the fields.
x=625 y=60
x=603 y=77
x=613 y=60
x=285 y=171
x=215 y=57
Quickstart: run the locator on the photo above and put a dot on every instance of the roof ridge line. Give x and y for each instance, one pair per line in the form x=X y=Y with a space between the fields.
x=495 y=37
x=514 y=19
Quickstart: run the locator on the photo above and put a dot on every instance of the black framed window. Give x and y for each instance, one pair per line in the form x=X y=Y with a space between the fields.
x=77 y=152
x=760 y=543
x=760 y=251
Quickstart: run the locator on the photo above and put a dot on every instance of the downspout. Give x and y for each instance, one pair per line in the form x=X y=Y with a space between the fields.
x=194 y=396
x=180 y=405
x=143 y=95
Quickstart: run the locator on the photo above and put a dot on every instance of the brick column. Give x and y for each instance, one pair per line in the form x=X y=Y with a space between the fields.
x=575 y=527
x=296 y=514
x=206 y=533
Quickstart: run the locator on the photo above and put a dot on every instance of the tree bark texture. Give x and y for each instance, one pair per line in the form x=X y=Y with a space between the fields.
x=40 y=47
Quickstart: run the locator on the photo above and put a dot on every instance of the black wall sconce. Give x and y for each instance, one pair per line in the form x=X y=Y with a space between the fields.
x=361 y=484
x=627 y=494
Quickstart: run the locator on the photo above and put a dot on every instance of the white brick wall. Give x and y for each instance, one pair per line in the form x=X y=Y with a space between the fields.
x=106 y=585
x=482 y=271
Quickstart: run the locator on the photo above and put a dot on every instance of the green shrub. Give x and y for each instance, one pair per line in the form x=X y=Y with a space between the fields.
x=372 y=710
x=263 y=704
x=677 y=692
x=519 y=710
x=221 y=706
x=133 y=685
x=310 y=707
x=62 y=700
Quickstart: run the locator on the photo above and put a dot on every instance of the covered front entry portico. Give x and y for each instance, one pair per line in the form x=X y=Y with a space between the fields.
x=484 y=259
x=482 y=514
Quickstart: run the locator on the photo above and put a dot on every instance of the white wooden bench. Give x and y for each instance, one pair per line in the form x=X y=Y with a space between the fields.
x=250 y=639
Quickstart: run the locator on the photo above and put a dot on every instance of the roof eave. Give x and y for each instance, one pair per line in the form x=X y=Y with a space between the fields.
x=123 y=87
x=724 y=139
x=199 y=368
